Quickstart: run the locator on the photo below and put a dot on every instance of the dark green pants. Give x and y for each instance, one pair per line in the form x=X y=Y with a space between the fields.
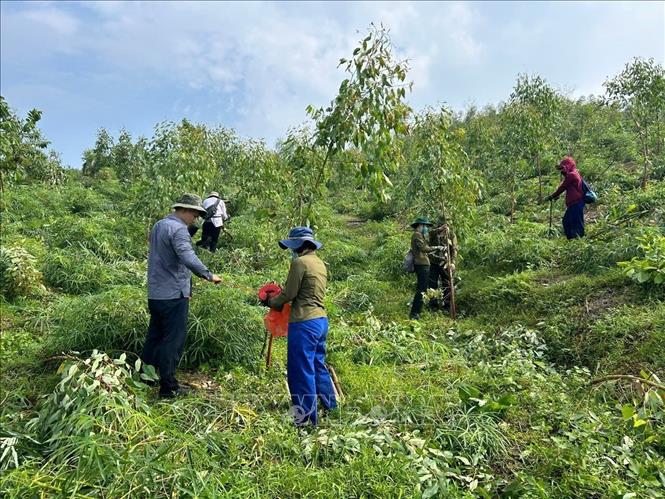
x=422 y=276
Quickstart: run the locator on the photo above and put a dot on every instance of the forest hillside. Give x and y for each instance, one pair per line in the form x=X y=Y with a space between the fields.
x=548 y=383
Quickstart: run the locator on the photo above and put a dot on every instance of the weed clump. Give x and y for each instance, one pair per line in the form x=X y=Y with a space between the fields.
x=80 y=271
x=222 y=328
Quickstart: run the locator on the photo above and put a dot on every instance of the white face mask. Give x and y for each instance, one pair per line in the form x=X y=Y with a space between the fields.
x=294 y=255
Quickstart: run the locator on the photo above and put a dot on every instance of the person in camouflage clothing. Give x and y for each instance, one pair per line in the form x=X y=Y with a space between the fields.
x=439 y=278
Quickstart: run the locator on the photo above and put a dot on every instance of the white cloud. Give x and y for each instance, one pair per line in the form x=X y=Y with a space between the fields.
x=52 y=18
x=256 y=66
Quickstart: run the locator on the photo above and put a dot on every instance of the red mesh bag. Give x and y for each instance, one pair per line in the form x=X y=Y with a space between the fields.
x=275 y=321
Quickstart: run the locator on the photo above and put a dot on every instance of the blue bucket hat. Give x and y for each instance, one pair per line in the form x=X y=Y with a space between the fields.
x=297 y=236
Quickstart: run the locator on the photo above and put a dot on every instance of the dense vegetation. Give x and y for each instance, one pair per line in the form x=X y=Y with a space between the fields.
x=520 y=396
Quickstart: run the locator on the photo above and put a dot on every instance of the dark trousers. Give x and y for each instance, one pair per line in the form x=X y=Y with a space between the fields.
x=573 y=221
x=306 y=372
x=439 y=274
x=166 y=338
x=210 y=236
x=422 y=275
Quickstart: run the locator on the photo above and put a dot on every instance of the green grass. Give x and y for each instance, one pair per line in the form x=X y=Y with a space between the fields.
x=497 y=403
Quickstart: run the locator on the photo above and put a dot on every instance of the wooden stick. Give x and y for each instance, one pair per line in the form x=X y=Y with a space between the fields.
x=265 y=343
x=451 y=281
x=615 y=377
x=269 y=354
x=336 y=384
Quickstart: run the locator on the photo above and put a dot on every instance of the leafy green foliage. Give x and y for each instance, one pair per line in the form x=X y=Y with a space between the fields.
x=532 y=114
x=440 y=179
x=19 y=276
x=368 y=113
x=97 y=394
x=639 y=91
x=503 y=401
x=651 y=268
x=22 y=149
x=222 y=328
x=80 y=271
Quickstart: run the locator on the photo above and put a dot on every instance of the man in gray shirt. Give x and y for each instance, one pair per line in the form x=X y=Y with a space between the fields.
x=171 y=262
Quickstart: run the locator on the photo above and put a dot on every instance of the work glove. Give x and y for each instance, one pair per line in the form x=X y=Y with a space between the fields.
x=547 y=198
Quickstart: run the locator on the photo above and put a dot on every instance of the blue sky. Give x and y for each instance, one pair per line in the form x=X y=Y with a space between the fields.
x=255 y=67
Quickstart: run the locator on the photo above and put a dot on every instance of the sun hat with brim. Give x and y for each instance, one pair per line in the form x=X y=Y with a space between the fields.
x=214 y=194
x=421 y=221
x=190 y=202
x=297 y=237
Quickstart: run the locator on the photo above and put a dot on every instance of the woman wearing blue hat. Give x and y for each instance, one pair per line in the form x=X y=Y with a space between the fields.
x=307 y=375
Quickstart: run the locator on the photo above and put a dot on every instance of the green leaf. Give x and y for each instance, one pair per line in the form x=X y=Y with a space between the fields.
x=627 y=411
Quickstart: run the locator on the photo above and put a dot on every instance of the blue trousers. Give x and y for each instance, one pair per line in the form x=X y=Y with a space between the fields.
x=573 y=221
x=307 y=375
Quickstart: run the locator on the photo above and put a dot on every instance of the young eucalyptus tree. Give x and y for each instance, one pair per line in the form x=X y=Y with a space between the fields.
x=440 y=175
x=368 y=114
x=533 y=114
x=639 y=91
x=23 y=150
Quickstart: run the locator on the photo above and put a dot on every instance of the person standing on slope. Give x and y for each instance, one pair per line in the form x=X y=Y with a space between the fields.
x=573 y=219
x=307 y=375
x=171 y=262
x=421 y=264
x=214 y=221
x=441 y=237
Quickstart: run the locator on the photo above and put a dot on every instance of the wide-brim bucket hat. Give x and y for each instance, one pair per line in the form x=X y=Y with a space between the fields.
x=214 y=194
x=421 y=221
x=297 y=237
x=190 y=202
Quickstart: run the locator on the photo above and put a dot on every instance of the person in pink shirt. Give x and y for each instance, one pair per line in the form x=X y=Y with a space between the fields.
x=573 y=219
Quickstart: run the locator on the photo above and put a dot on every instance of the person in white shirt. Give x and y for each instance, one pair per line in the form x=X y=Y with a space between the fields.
x=213 y=221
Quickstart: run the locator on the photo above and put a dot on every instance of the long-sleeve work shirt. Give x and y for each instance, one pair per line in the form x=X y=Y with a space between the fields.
x=305 y=289
x=220 y=214
x=171 y=261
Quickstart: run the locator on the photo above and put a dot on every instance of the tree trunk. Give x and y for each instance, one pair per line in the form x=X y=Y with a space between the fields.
x=645 y=172
x=540 y=178
x=315 y=187
x=512 y=202
x=451 y=280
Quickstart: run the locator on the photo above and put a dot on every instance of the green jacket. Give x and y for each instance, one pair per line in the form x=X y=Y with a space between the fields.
x=420 y=248
x=305 y=289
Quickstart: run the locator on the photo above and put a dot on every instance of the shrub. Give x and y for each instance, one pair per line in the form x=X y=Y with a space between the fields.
x=96 y=394
x=109 y=237
x=18 y=273
x=79 y=271
x=650 y=268
x=223 y=328
x=358 y=293
x=110 y=321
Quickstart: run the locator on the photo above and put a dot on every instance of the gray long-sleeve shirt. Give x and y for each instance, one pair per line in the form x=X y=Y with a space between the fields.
x=171 y=261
